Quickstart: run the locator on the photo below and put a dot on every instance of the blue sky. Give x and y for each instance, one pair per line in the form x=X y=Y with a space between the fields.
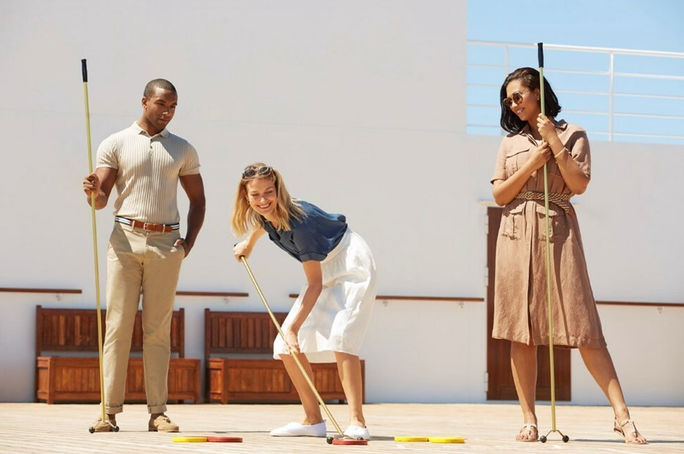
x=633 y=24
x=654 y=25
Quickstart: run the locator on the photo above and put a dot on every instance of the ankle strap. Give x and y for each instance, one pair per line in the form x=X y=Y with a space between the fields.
x=623 y=423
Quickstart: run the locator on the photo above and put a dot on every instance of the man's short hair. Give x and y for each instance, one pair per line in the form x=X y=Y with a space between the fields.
x=157 y=83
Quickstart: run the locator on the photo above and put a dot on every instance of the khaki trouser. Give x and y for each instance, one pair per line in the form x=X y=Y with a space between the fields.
x=139 y=261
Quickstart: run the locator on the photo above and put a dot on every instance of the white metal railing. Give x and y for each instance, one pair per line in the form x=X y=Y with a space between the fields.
x=669 y=127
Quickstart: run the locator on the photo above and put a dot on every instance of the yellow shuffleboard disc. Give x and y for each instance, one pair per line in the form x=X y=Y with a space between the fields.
x=447 y=440
x=411 y=439
x=189 y=439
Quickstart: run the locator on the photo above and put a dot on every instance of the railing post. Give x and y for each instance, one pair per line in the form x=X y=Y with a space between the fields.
x=506 y=61
x=611 y=79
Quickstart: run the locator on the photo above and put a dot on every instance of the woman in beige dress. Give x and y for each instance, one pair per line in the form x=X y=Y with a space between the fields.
x=520 y=304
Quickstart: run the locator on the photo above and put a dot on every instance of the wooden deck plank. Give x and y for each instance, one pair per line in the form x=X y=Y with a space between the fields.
x=37 y=427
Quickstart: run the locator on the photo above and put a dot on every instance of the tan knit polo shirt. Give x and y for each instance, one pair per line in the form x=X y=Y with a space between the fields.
x=147 y=172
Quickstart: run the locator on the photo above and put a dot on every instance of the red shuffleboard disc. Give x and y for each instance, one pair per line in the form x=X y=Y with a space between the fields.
x=349 y=441
x=217 y=439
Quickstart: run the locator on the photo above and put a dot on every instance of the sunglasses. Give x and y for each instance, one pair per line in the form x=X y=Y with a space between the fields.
x=254 y=171
x=516 y=97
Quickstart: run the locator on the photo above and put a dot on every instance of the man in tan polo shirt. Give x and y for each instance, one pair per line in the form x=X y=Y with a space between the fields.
x=145 y=162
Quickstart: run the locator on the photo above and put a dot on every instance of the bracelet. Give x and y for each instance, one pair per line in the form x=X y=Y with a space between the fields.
x=559 y=153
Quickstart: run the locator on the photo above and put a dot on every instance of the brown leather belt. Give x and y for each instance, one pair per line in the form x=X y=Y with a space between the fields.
x=146 y=225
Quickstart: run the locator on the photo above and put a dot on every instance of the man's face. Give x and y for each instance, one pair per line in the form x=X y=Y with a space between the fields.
x=158 y=108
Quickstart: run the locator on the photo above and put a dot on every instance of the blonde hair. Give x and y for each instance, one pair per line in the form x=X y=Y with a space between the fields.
x=245 y=218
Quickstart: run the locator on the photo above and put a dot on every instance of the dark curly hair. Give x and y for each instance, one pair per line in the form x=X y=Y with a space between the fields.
x=529 y=77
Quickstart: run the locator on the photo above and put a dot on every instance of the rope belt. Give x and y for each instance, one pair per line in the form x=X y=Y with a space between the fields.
x=562 y=200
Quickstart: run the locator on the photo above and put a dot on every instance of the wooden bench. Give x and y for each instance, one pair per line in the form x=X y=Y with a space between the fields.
x=246 y=370
x=75 y=378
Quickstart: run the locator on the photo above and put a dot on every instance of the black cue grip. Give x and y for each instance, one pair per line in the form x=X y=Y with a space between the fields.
x=84 y=70
x=540 y=54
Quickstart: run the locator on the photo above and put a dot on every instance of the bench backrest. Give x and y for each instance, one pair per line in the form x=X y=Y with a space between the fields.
x=239 y=332
x=75 y=330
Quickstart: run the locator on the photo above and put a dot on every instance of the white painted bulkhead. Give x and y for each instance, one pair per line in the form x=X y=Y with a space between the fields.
x=361 y=105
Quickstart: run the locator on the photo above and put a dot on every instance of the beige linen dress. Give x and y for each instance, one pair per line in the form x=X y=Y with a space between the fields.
x=520 y=301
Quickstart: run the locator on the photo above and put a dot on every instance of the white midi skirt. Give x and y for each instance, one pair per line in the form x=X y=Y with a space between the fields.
x=340 y=317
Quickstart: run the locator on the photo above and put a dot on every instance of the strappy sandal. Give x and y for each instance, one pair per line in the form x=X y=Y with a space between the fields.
x=528 y=427
x=620 y=428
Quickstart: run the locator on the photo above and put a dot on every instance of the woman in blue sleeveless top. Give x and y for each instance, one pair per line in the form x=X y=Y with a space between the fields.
x=330 y=317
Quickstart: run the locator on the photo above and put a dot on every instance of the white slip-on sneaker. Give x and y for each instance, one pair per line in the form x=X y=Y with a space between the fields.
x=357 y=432
x=294 y=429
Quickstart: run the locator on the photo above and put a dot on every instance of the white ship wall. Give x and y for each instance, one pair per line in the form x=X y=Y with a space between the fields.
x=361 y=105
